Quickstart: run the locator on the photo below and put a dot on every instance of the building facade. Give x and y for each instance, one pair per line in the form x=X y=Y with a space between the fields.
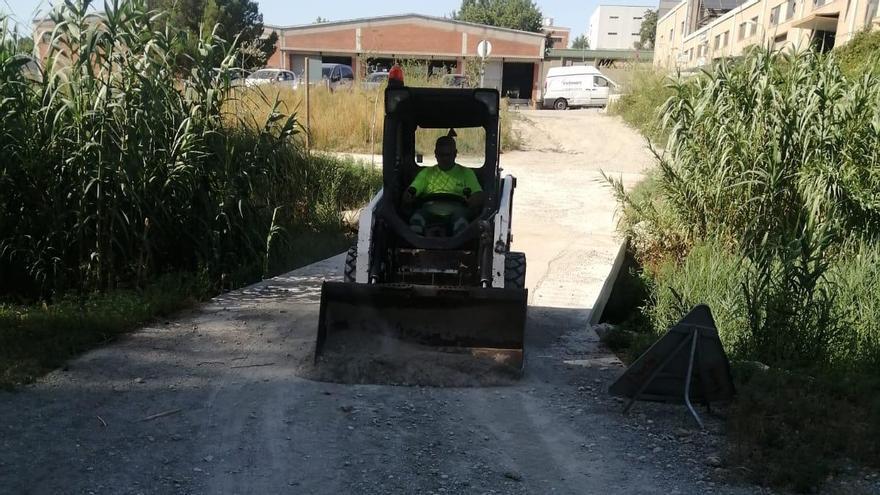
x=513 y=67
x=560 y=36
x=616 y=27
x=696 y=32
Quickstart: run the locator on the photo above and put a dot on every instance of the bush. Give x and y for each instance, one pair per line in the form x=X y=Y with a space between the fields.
x=118 y=165
x=795 y=429
x=640 y=105
x=861 y=55
x=765 y=205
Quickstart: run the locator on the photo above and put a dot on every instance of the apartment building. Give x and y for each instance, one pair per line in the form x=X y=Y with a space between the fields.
x=616 y=26
x=696 y=32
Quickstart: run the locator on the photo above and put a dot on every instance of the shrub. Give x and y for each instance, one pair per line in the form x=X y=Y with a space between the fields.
x=765 y=205
x=640 y=105
x=773 y=162
x=861 y=55
x=117 y=165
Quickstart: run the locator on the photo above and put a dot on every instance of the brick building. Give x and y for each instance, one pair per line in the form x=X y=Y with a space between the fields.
x=514 y=66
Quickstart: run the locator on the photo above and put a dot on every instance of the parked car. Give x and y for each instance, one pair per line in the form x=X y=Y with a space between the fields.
x=237 y=76
x=575 y=86
x=337 y=76
x=375 y=80
x=455 y=81
x=280 y=77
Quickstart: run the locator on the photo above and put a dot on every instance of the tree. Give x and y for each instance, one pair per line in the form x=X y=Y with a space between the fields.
x=514 y=14
x=548 y=43
x=648 y=31
x=580 y=43
x=232 y=18
x=321 y=20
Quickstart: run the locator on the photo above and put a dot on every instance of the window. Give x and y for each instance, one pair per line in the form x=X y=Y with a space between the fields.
x=702 y=51
x=612 y=34
x=637 y=18
x=613 y=17
x=725 y=38
x=600 y=82
x=743 y=30
x=636 y=34
x=717 y=43
x=671 y=33
x=789 y=10
x=774 y=15
x=754 y=25
x=471 y=156
x=819 y=3
x=690 y=54
x=682 y=27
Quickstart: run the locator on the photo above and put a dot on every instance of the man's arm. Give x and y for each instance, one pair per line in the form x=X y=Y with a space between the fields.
x=417 y=187
x=477 y=197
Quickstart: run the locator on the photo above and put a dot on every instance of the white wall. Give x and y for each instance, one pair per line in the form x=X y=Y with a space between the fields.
x=615 y=26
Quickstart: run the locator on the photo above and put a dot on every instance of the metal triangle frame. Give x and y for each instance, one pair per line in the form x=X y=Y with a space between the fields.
x=693 y=339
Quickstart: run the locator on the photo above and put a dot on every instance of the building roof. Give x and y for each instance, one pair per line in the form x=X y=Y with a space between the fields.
x=633 y=6
x=721 y=4
x=397 y=17
x=618 y=54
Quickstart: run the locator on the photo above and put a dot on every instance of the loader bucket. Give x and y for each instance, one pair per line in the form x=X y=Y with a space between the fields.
x=487 y=323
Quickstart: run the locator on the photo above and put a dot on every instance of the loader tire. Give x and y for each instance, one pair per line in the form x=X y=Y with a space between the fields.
x=515 y=271
x=348 y=274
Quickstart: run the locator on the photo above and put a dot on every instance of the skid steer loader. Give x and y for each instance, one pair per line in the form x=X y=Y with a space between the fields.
x=461 y=292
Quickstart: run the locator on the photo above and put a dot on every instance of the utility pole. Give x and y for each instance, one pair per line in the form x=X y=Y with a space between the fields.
x=484 y=49
x=308 y=122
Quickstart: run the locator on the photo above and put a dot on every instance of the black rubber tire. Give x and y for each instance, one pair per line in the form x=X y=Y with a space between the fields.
x=560 y=104
x=515 y=271
x=348 y=274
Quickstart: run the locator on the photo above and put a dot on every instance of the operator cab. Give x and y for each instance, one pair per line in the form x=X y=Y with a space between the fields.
x=414 y=119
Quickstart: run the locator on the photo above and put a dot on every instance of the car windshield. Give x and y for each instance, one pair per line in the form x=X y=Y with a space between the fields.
x=262 y=74
x=377 y=77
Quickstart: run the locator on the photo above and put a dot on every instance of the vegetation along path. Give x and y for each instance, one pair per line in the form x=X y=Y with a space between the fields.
x=211 y=402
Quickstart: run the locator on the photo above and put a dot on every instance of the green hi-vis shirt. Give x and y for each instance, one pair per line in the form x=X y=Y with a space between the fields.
x=434 y=180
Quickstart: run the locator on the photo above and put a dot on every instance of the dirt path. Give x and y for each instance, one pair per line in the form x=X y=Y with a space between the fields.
x=211 y=402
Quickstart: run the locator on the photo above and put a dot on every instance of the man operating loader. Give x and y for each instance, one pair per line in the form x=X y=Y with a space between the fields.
x=447 y=196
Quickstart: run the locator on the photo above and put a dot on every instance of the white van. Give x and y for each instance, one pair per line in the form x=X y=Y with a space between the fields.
x=575 y=86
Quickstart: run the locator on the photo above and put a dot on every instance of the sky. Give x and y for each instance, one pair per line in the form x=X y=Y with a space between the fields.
x=573 y=14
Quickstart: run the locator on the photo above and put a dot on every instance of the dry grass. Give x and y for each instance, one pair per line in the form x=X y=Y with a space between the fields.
x=352 y=120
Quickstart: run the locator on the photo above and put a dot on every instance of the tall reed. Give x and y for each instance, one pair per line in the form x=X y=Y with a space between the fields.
x=775 y=160
x=118 y=164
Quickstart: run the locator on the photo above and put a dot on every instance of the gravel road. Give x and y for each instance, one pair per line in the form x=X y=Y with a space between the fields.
x=214 y=402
